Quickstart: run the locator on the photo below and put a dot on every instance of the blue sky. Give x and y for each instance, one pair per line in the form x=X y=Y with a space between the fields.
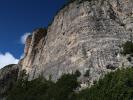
x=18 y=17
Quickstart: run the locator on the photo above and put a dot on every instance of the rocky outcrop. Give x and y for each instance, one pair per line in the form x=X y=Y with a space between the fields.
x=27 y=44
x=8 y=77
x=84 y=35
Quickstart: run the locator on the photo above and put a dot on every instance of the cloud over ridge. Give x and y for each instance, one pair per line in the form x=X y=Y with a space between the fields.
x=24 y=37
x=6 y=59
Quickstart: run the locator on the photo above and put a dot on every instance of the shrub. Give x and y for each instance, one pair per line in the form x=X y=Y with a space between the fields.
x=77 y=73
x=87 y=73
x=127 y=48
x=42 y=89
x=114 y=86
x=29 y=90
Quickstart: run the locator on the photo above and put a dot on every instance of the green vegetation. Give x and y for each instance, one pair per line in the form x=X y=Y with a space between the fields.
x=114 y=86
x=87 y=73
x=77 y=73
x=42 y=89
x=127 y=48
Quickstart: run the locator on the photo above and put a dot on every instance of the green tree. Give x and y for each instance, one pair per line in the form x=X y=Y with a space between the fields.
x=114 y=86
x=127 y=48
x=77 y=73
x=87 y=73
x=66 y=86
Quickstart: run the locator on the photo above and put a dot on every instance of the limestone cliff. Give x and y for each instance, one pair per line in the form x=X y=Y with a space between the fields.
x=84 y=35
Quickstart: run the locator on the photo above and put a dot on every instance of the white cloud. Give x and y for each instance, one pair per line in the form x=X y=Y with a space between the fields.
x=24 y=37
x=6 y=59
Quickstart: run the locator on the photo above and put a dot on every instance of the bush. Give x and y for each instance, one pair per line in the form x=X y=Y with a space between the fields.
x=87 y=73
x=77 y=73
x=114 y=86
x=29 y=90
x=127 y=48
x=42 y=89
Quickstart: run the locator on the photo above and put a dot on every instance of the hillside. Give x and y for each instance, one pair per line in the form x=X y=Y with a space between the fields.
x=8 y=77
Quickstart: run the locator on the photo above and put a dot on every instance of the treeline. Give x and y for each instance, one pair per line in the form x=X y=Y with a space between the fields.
x=42 y=89
x=114 y=86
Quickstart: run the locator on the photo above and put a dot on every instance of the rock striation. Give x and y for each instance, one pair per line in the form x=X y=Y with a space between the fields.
x=84 y=35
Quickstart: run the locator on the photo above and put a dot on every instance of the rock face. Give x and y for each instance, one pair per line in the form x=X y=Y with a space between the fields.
x=8 y=77
x=84 y=35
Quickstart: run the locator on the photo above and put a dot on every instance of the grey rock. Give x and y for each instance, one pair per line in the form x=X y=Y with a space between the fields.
x=84 y=35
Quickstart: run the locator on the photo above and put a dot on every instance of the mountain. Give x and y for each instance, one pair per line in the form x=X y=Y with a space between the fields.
x=84 y=35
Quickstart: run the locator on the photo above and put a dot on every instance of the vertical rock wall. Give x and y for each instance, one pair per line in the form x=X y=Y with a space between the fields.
x=84 y=35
